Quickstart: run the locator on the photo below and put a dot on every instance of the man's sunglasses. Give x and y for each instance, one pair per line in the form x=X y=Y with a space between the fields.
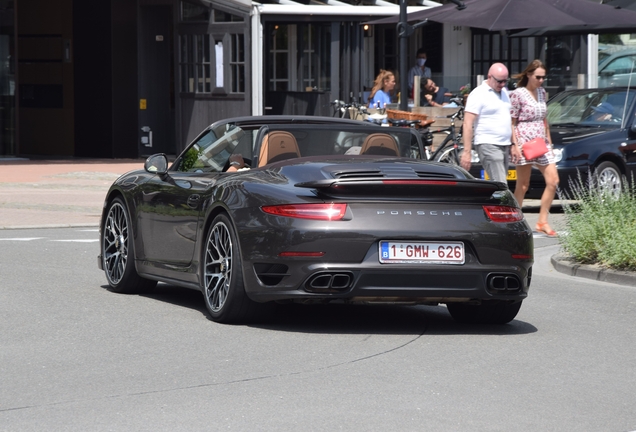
x=500 y=81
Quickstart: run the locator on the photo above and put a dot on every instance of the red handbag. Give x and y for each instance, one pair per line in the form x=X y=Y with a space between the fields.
x=534 y=148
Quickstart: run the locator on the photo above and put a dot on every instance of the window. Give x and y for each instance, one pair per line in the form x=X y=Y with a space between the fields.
x=212 y=57
x=220 y=16
x=300 y=57
x=194 y=63
x=279 y=53
x=212 y=63
x=491 y=48
x=237 y=63
x=211 y=152
x=191 y=12
x=622 y=65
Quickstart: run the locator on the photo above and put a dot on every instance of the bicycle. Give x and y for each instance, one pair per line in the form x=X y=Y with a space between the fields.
x=451 y=149
x=352 y=110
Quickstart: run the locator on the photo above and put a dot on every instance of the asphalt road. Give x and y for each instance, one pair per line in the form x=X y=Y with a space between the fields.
x=76 y=357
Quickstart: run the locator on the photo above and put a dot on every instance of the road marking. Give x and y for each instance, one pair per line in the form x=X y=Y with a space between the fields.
x=22 y=239
x=78 y=240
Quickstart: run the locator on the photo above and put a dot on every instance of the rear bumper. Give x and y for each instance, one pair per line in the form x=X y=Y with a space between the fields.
x=371 y=281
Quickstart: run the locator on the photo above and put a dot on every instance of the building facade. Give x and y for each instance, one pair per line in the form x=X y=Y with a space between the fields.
x=129 y=78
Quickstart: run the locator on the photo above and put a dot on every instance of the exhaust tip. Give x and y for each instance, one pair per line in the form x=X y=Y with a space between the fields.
x=329 y=282
x=504 y=283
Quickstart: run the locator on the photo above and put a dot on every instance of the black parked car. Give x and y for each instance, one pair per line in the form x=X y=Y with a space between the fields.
x=593 y=130
x=331 y=210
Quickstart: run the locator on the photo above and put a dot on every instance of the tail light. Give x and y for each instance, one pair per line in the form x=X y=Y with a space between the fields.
x=326 y=212
x=503 y=214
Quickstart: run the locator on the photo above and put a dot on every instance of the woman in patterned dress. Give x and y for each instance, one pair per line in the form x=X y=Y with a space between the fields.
x=528 y=113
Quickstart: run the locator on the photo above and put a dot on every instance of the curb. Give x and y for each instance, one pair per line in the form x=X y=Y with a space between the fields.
x=565 y=264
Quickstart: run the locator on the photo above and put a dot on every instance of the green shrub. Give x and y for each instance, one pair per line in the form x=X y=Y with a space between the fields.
x=601 y=227
x=190 y=158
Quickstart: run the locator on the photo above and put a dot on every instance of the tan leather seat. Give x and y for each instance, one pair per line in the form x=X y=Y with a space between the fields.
x=380 y=144
x=278 y=146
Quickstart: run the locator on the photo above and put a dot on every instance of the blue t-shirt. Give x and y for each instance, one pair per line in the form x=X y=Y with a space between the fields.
x=380 y=97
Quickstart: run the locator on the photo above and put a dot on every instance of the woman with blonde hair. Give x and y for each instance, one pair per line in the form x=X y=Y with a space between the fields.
x=529 y=112
x=382 y=88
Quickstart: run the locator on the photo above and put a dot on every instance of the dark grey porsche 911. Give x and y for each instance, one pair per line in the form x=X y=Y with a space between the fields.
x=330 y=210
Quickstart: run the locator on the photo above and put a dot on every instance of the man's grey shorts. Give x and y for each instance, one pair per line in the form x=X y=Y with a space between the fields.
x=495 y=159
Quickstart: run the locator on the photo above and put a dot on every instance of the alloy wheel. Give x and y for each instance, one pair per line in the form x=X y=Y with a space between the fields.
x=609 y=181
x=115 y=243
x=218 y=266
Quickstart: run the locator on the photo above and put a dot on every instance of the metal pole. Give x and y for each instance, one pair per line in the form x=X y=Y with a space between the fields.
x=404 y=87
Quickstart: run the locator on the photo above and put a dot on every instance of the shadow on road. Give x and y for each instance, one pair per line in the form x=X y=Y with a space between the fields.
x=380 y=319
x=349 y=319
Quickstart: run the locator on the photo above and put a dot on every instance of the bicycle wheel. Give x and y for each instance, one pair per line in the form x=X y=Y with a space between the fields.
x=448 y=153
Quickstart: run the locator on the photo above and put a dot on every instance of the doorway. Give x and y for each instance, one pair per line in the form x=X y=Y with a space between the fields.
x=156 y=81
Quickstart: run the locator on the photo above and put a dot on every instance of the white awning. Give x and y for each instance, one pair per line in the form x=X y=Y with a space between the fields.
x=289 y=7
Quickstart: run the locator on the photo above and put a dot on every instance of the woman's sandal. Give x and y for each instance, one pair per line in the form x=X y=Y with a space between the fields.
x=544 y=228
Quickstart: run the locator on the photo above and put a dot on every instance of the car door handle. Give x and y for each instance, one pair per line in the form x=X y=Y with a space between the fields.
x=193 y=200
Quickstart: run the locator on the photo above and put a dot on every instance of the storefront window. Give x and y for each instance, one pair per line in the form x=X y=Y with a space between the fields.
x=310 y=72
x=279 y=53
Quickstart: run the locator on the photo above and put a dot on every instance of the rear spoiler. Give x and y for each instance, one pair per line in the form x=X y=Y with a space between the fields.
x=407 y=188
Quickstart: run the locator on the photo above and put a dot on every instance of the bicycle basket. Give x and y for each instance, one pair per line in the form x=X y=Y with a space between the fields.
x=407 y=115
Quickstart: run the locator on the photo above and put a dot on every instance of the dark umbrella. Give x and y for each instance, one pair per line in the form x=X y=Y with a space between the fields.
x=496 y=15
x=585 y=29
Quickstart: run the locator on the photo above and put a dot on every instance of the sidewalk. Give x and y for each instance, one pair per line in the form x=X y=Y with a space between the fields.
x=57 y=193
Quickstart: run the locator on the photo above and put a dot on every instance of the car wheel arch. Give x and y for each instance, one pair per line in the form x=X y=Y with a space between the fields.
x=213 y=211
x=619 y=162
x=110 y=197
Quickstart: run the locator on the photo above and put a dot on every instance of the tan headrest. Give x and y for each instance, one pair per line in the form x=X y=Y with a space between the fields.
x=380 y=144
x=277 y=146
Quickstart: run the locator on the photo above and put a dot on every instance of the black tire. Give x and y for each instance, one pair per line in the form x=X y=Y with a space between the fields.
x=223 y=287
x=489 y=312
x=118 y=252
x=608 y=178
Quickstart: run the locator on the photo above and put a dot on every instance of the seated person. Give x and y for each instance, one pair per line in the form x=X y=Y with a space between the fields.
x=236 y=163
x=434 y=95
x=601 y=113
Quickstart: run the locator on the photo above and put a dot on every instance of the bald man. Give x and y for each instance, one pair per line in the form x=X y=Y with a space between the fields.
x=487 y=120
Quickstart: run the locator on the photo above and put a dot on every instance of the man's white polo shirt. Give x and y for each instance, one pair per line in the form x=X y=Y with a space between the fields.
x=493 y=123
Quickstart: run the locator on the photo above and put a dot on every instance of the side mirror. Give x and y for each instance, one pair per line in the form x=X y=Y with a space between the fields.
x=606 y=73
x=157 y=164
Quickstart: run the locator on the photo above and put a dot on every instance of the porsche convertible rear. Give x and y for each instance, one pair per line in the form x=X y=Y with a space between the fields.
x=421 y=241
x=329 y=211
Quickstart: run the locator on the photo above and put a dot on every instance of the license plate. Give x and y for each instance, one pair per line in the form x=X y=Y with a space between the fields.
x=422 y=252
x=512 y=175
